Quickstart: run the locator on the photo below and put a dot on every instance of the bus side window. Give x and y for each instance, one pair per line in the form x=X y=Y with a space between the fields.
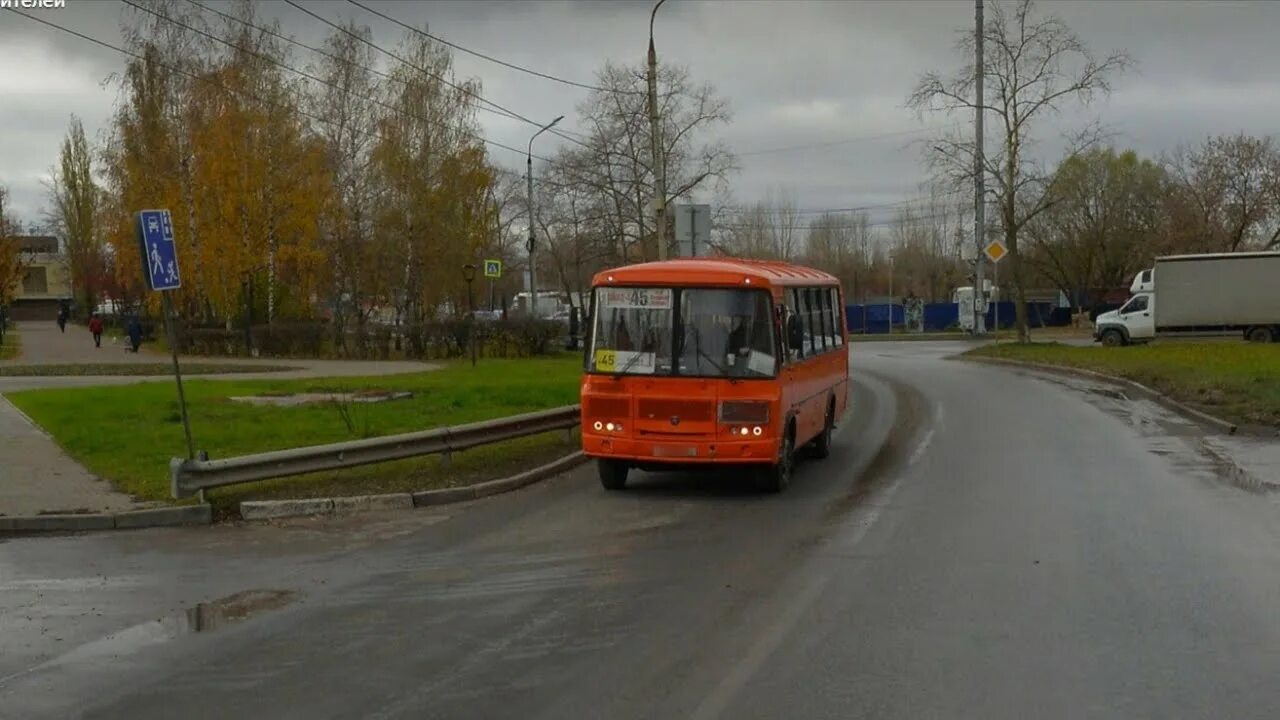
x=811 y=343
x=824 y=316
x=837 y=317
x=795 y=324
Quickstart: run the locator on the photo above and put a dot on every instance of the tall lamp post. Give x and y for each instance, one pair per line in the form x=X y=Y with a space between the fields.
x=533 y=283
x=655 y=139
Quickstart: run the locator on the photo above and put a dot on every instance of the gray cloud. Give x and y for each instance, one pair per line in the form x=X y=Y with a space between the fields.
x=796 y=72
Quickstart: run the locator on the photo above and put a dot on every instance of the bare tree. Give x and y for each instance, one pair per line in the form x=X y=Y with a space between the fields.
x=614 y=160
x=1034 y=65
x=1225 y=195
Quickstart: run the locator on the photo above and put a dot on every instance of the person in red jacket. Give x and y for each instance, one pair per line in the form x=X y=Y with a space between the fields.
x=95 y=327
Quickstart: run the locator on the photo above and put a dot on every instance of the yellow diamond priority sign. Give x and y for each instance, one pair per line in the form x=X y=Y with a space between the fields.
x=996 y=251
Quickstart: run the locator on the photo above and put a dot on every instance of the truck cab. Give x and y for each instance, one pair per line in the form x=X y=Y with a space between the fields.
x=1134 y=322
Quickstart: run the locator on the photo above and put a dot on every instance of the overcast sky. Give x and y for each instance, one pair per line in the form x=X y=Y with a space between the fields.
x=795 y=73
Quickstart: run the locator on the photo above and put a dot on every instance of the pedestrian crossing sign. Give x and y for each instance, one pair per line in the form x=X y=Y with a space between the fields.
x=493 y=268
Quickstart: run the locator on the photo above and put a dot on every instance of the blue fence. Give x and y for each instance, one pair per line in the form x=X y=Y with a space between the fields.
x=873 y=319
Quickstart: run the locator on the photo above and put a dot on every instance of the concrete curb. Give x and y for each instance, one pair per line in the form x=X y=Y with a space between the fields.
x=126 y=520
x=1223 y=426
x=274 y=509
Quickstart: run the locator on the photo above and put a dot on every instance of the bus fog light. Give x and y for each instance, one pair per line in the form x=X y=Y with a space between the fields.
x=745 y=431
x=598 y=426
x=608 y=426
x=757 y=431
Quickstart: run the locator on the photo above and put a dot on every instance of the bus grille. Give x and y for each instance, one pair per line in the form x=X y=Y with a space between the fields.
x=615 y=408
x=686 y=410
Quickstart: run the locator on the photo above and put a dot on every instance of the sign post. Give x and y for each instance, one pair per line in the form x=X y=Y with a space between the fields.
x=693 y=229
x=493 y=271
x=995 y=252
x=469 y=274
x=160 y=269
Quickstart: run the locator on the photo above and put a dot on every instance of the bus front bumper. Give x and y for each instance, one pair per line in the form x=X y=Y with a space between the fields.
x=681 y=452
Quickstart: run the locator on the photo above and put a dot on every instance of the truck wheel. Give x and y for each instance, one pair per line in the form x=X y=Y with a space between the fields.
x=822 y=443
x=1261 y=334
x=1112 y=338
x=775 y=478
x=613 y=474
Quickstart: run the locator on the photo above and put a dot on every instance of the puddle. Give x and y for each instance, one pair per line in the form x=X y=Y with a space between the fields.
x=204 y=617
x=234 y=608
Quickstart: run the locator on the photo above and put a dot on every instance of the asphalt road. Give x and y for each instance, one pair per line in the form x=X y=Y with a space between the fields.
x=980 y=544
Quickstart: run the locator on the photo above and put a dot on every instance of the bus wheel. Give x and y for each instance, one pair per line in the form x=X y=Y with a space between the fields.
x=613 y=474
x=774 y=478
x=822 y=443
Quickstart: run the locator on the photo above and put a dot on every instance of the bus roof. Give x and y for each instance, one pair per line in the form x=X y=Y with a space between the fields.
x=715 y=271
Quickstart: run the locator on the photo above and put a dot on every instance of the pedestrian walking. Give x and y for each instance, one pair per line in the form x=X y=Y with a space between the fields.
x=135 y=334
x=95 y=327
x=62 y=318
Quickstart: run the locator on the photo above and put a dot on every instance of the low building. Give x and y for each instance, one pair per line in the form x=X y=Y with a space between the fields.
x=46 y=279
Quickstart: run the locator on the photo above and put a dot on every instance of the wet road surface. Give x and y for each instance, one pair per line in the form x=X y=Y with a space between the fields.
x=981 y=543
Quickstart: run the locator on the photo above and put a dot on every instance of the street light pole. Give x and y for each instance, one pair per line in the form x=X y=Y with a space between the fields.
x=533 y=282
x=979 y=191
x=655 y=139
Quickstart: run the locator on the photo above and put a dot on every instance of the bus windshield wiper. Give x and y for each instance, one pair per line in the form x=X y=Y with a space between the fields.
x=697 y=347
x=617 y=375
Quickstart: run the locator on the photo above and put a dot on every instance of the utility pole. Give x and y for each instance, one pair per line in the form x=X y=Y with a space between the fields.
x=979 y=189
x=533 y=280
x=655 y=139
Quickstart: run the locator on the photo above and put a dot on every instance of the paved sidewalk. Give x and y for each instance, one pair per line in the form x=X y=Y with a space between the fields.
x=43 y=344
x=37 y=476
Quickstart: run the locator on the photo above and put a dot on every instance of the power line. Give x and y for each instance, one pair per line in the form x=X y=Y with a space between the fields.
x=846 y=141
x=467 y=91
x=313 y=78
x=490 y=58
x=859 y=208
x=194 y=76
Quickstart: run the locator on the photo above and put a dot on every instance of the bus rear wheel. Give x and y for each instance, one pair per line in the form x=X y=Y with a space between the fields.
x=775 y=478
x=822 y=443
x=613 y=474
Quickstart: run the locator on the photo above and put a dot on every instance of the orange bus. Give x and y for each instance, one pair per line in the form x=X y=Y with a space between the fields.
x=712 y=362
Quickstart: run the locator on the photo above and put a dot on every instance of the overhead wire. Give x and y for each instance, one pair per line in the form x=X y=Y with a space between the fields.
x=460 y=88
x=476 y=53
x=313 y=78
x=846 y=141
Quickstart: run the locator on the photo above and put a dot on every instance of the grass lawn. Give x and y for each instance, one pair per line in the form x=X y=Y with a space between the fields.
x=11 y=347
x=1235 y=380
x=129 y=433
x=140 y=369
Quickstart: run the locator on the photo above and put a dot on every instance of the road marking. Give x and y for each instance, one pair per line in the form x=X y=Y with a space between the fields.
x=715 y=703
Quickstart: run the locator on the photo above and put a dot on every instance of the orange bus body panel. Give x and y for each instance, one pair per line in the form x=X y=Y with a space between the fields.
x=675 y=420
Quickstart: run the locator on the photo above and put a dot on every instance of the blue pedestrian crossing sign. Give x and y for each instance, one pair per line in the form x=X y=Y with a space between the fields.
x=493 y=268
x=159 y=252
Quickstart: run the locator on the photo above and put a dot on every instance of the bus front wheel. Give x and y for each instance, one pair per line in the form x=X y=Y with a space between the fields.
x=613 y=474
x=775 y=478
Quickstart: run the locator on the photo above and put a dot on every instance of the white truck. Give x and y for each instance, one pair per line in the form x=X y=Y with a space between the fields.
x=1224 y=293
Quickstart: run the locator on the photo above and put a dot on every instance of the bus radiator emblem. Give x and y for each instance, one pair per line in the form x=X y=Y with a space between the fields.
x=675 y=419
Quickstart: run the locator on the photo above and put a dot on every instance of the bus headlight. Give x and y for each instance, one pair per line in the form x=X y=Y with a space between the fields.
x=598 y=426
x=608 y=426
x=757 y=431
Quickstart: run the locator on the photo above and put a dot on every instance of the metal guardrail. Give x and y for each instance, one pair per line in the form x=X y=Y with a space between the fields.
x=192 y=476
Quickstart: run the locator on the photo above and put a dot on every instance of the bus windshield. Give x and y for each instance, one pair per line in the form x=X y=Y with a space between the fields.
x=718 y=333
